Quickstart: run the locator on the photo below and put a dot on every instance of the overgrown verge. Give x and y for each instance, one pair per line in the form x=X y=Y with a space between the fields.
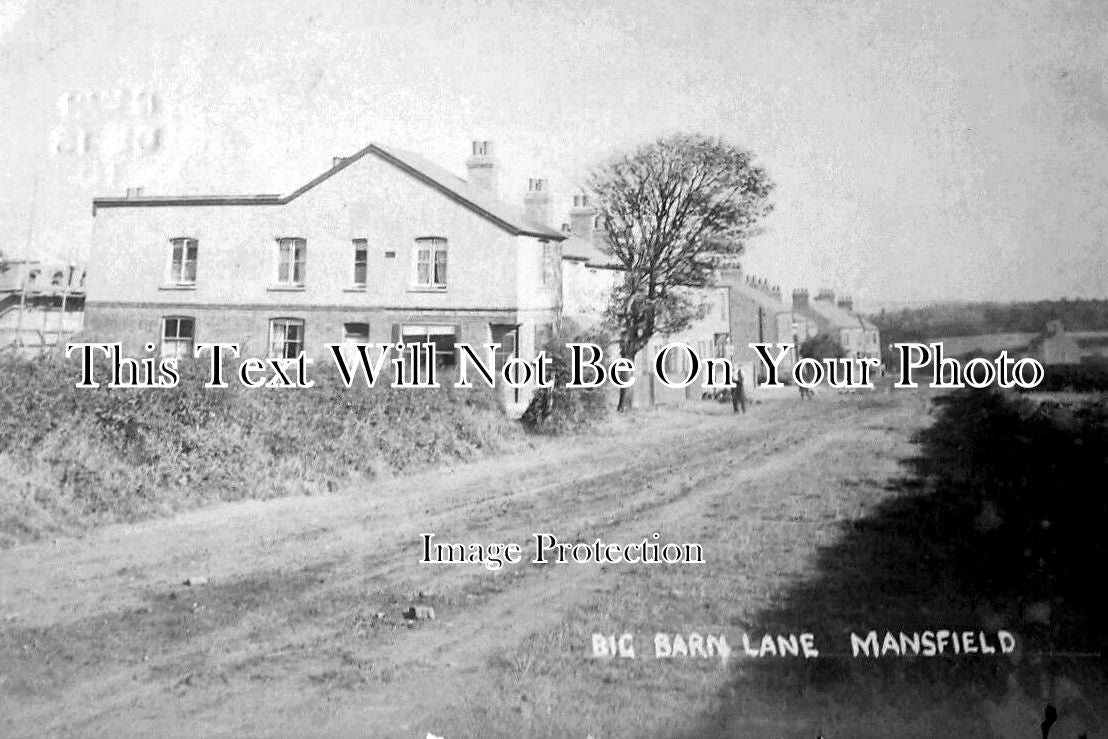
x=74 y=458
x=561 y=410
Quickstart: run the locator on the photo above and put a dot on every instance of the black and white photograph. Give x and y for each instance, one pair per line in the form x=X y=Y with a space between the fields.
x=614 y=369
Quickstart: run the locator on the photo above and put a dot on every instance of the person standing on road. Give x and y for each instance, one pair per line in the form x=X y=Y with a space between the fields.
x=738 y=393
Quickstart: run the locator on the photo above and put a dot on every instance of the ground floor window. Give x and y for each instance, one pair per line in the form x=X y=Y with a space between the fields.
x=286 y=338
x=443 y=337
x=507 y=336
x=355 y=333
x=178 y=336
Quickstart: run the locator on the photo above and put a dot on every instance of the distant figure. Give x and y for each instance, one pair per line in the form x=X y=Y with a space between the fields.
x=806 y=392
x=738 y=393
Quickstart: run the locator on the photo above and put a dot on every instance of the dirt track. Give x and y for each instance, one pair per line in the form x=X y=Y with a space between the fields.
x=298 y=630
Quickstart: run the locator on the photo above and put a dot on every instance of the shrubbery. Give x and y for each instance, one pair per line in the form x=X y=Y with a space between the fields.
x=1080 y=378
x=558 y=409
x=70 y=458
x=820 y=347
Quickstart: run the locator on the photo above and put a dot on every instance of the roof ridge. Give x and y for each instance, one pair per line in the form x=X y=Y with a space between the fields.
x=511 y=222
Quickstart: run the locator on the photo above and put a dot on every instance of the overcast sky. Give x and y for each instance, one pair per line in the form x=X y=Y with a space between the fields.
x=922 y=150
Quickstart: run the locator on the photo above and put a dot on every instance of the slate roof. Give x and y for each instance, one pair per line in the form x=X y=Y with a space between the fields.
x=758 y=296
x=509 y=217
x=585 y=250
x=837 y=317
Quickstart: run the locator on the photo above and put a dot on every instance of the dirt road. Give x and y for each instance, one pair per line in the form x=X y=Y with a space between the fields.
x=297 y=628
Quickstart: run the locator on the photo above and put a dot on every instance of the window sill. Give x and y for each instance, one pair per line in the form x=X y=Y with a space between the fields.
x=285 y=288
x=174 y=286
x=427 y=288
x=356 y=289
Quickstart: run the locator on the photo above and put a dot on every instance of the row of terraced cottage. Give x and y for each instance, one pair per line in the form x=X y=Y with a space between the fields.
x=386 y=246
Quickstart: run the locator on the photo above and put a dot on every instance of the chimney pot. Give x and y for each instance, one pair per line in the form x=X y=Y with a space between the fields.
x=483 y=168
x=536 y=203
x=582 y=218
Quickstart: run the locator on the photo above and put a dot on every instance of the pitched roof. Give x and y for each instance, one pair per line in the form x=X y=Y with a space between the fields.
x=838 y=317
x=509 y=217
x=758 y=296
x=586 y=250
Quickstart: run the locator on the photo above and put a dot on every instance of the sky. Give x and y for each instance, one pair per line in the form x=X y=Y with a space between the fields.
x=946 y=150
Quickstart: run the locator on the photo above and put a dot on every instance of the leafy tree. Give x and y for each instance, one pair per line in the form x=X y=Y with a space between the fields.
x=666 y=207
x=822 y=346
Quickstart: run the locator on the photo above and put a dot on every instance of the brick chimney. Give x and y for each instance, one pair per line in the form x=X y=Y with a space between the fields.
x=536 y=203
x=800 y=299
x=826 y=295
x=846 y=303
x=484 y=170
x=581 y=217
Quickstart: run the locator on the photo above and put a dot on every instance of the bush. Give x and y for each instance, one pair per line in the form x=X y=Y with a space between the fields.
x=1080 y=378
x=558 y=409
x=70 y=458
x=821 y=346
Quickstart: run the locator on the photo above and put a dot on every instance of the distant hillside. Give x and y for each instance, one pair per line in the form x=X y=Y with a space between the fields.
x=971 y=319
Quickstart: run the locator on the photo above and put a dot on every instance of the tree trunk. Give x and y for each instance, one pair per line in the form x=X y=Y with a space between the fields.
x=629 y=348
x=626 y=397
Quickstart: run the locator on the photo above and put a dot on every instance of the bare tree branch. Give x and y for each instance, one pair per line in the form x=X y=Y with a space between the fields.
x=663 y=207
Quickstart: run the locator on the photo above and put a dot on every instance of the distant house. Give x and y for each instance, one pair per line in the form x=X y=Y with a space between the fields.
x=41 y=301
x=1057 y=346
x=384 y=246
x=759 y=315
x=857 y=335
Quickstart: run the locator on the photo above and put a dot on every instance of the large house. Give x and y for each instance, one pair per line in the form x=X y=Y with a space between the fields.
x=386 y=246
x=382 y=247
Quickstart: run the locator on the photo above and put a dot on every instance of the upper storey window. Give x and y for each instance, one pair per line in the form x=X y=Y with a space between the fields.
x=182 y=266
x=549 y=264
x=361 y=262
x=292 y=256
x=431 y=263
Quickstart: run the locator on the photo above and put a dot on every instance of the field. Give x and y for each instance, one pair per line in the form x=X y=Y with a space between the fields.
x=829 y=517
